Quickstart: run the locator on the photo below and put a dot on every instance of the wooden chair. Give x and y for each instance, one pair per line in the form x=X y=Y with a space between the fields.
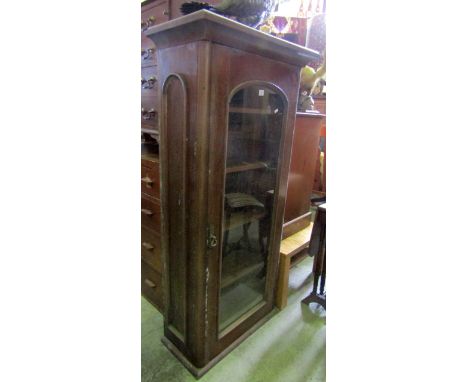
x=241 y=210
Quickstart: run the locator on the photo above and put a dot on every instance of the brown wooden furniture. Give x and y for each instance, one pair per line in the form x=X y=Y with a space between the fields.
x=292 y=250
x=228 y=98
x=317 y=248
x=302 y=171
x=152 y=13
x=296 y=247
x=151 y=261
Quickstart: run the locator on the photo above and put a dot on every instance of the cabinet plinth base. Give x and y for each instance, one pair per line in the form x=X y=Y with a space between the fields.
x=199 y=372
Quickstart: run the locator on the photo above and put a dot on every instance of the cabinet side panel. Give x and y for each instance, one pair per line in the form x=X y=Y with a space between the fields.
x=184 y=265
x=175 y=111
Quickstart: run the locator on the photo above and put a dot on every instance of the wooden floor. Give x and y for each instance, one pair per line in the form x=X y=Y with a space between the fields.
x=290 y=347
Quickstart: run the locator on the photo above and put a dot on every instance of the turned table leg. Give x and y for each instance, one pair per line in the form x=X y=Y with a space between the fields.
x=318 y=250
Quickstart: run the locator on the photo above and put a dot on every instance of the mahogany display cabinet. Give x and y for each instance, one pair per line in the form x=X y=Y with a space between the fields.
x=228 y=97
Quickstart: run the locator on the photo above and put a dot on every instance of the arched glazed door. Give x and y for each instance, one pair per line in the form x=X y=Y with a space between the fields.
x=255 y=125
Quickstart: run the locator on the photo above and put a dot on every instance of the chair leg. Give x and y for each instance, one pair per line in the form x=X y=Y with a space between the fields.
x=245 y=236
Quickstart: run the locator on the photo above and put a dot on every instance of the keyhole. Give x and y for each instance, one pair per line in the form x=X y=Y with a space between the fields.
x=213 y=241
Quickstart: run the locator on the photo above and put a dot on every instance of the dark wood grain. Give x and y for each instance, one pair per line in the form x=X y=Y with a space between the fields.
x=202 y=61
x=174 y=114
x=151 y=213
x=151 y=249
x=208 y=26
x=151 y=285
x=230 y=69
x=150 y=182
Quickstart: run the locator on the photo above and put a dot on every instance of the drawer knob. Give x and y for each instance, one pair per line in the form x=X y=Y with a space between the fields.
x=147 y=212
x=166 y=12
x=146 y=53
x=148 y=181
x=147 y=246
x=146 y=24
x=148 y=83
x=148 y=114
x=150 y=283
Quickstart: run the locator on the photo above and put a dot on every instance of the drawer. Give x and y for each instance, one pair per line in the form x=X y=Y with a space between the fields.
x=151 y=249
x=148 y=52
x=150 y=180
x=150 y=160
x=149 y=84
x=151 y=214
x=151 y=285
x=154 y=15
x=149 y=112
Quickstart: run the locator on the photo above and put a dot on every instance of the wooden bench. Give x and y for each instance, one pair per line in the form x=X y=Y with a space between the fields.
x=292 y=248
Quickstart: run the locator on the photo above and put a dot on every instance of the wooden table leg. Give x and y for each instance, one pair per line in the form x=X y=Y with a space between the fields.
x=318 y=245
x=317 y=232
x=323 y=273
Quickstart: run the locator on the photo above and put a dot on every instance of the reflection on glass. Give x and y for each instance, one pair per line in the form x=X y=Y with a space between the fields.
x=254 y=134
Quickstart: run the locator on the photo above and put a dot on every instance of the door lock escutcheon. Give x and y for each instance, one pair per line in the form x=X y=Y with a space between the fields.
x=211 y=239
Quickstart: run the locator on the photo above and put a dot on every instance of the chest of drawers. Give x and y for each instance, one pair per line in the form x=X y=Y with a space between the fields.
x=152 y=13
x=151 y=262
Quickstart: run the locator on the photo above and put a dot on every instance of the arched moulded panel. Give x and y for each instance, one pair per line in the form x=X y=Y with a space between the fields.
x=174 y=145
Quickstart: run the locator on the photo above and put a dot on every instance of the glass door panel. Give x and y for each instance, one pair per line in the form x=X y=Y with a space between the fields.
x=254 y=135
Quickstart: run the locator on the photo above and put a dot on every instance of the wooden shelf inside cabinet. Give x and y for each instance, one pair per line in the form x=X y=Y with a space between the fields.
x=246 y=167
x=247 y=110
x=149 y=131
x=240 y=273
